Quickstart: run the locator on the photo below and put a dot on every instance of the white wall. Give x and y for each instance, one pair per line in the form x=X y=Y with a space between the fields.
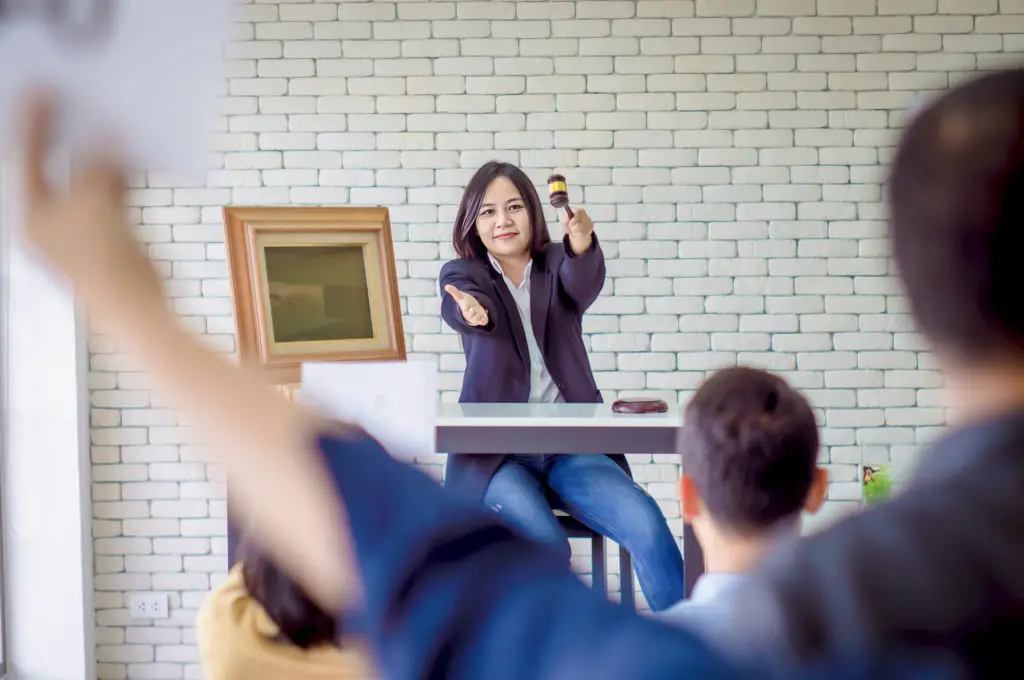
x=48 y=575
x=730 y=151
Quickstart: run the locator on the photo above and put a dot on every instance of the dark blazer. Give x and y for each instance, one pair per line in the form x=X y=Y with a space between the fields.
x=562 y=288
x=886 y=579
x=449 y=590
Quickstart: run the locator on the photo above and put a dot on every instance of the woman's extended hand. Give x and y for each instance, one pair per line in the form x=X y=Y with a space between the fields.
x=580 y=230
x=472 y=311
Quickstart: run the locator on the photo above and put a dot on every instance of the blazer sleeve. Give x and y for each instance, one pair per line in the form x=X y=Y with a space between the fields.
x=222 y=648
x=456 y=273
x=450 y=591
x=582 y=276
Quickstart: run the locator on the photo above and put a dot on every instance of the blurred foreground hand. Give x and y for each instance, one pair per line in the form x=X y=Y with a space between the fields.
x=279 y=487
x=82 y=229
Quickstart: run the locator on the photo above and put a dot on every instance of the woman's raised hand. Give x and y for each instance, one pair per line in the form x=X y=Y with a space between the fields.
x=472 y=311
x=580 y=230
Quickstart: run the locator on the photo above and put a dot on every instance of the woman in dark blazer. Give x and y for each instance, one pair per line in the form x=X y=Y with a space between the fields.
x=517 y=299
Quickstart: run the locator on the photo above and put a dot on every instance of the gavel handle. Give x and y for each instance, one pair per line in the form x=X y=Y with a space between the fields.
x=569 y=212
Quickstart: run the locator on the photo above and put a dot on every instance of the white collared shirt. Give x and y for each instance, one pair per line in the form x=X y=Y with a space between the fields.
x=542 y=387
x=711 y=609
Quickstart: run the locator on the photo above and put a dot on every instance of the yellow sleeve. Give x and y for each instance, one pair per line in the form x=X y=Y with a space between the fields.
x=231 y=633
x=217 y=630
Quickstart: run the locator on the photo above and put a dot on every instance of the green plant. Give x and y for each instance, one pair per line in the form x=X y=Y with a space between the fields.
x=877 y=485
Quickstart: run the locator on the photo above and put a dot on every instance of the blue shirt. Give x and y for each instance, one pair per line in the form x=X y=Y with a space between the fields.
x=452 y=592
x=716 y=600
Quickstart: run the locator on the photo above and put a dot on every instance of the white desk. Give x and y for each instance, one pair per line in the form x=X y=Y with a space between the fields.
x=553 y=428
x=565 y=428
x=557 y=428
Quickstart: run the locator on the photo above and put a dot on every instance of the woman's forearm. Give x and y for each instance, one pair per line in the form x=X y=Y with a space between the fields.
x=580 y=243
x=582 y=275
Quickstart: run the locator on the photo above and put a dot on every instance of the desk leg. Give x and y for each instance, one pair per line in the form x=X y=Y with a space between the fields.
x=693 y=560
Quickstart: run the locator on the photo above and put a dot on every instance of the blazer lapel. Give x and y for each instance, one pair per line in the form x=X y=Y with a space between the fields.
x=515 y=321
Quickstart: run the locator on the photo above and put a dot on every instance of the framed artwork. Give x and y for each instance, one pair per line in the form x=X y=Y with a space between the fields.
x=313 y=284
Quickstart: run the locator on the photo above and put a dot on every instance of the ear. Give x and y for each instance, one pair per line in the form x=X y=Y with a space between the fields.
x=689 y=499
x=819 y=489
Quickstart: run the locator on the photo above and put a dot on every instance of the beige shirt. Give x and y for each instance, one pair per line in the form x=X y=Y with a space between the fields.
x=236 y=642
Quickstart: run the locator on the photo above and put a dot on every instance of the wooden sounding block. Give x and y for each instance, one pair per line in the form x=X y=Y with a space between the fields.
x=640 y=406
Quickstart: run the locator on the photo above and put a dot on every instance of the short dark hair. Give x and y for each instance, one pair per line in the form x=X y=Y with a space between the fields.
x=466 y=241
x=300 y=621
x=957 y=206
x=750 y=445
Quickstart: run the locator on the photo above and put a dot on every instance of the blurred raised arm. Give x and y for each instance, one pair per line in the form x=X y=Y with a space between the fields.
x=266 y=442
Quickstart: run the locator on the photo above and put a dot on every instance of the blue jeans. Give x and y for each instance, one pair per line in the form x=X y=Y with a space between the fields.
x=597 y=492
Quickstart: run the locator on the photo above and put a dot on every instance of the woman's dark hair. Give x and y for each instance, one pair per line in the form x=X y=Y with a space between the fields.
x=301 y=622
x=466 y=241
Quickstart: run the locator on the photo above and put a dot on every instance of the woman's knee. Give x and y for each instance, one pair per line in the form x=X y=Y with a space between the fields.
x=514 y=491
x=525 y=508
x=646 y=524
x=543 y=529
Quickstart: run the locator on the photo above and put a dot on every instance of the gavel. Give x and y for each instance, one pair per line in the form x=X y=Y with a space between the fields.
x=559 y=193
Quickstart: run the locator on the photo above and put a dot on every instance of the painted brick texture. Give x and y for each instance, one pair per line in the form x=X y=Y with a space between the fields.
x=731 y=153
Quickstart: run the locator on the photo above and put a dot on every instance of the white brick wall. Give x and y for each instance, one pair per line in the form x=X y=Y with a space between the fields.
x=730 y=151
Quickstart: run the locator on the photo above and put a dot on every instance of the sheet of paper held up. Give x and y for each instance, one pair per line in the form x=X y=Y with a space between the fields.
x=394 y=401
x=143 y=73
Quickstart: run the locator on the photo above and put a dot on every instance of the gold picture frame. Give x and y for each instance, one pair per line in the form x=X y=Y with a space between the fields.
x=313 y=284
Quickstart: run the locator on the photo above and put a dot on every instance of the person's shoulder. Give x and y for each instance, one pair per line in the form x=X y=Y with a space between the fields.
x=713 y=621
x=217 y=623
x=684 y=613
x=703 y=619
x=463 y=268
x=222 y=600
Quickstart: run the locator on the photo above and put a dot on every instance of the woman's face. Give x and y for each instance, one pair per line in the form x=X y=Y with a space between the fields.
x=503 y=223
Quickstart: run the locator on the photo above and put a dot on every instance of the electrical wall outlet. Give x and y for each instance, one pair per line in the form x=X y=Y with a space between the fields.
x=148 y=606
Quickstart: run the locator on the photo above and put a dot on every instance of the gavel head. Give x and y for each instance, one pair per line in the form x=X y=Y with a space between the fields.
x=558 y=192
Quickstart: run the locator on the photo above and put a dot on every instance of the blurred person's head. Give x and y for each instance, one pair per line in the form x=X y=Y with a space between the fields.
x=957 y=201
x=749 y=447
x=299 y=620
